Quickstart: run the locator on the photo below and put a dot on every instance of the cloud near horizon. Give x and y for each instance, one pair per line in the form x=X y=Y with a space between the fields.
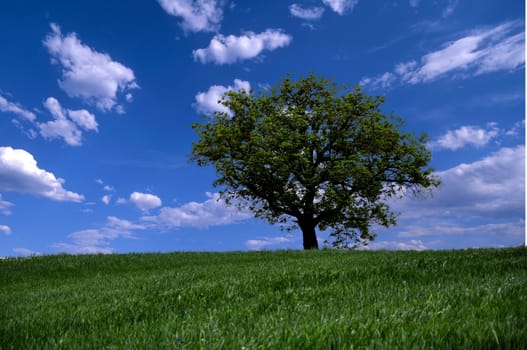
x=490 y=191
x=212 y=212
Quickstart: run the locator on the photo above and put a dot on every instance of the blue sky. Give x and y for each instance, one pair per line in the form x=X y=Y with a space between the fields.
x=97 y=98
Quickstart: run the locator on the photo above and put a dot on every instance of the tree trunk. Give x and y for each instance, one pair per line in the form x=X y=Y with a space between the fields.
x=309 y=234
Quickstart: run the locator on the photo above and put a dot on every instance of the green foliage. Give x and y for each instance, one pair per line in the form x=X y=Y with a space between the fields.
x=472 y=299
x=303 y=154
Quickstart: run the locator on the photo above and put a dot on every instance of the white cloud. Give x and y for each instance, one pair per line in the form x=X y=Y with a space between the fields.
x=466 y=135
x=492 y=186
x=19 y=172
x=414 y=3
x=383 y=81
x=212 y=212
x=261 y=243
x=106 y=199
x=450 y=8
x=4 y=206
x=15 y=108
x=307 y=14
x=94 y=241
x=510 y=229
x=86 y=73
x=486 y=197
x=341 y=6
x=230 y=49
x=145 y=201
x=108 y=188
x=413 y=244
x=83 y=119
x=482 y=51
x=208 y=102
x=196 y=15
x=6 y=230
x=26 y=252
x=62 y=127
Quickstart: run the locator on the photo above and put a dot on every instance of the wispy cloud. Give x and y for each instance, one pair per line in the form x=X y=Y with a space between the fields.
x=450 y=8
x=483 y=51
x=306 y=13
x=413 y=244
x=266 y=242
x=6 y=230
x=15 y=108
x=26 y=252
x=4 y=206
x=94 y=241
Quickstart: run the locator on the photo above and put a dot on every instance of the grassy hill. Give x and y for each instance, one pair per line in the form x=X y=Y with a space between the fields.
x=266 y=300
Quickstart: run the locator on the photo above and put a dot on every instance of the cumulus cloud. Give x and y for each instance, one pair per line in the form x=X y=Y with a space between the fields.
x=145 y=201
x=213 y=212
x=308 y=14
x=106 y=199
x=19 y=172
x=341 y=6
x=261 y=243
x=15 y=108
x=6 y=230
x=466 y=135
x=208 y=102
x=230 y=49
x=94 y=241
x=68 y=129
x=482 y=51
x=88 y=74
x=196 y=15
x=484 y=198
x=492 y=186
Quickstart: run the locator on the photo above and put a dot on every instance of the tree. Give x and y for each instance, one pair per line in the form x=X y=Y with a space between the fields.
x=303 y=155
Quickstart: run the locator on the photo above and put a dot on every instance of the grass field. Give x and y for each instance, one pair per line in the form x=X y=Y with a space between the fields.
x=267 y=300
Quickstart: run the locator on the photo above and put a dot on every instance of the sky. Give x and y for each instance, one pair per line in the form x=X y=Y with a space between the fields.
x=97 y=99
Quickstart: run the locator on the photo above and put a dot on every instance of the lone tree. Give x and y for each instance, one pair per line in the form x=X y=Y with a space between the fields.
x=304 y=155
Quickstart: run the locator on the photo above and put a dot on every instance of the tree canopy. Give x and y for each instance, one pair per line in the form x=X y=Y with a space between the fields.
x=305 y=154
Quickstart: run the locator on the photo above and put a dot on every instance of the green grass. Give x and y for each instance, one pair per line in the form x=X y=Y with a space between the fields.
x=267 y=300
